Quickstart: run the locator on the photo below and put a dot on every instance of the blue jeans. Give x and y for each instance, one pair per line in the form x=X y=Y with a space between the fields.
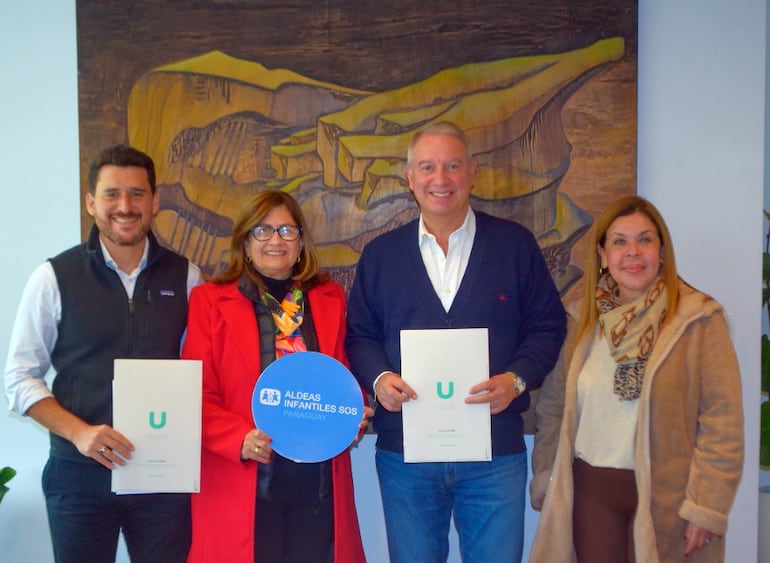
x=86 y=518
x=486 y=499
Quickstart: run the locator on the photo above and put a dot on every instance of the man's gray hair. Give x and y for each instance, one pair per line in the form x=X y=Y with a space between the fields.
x=439 y=128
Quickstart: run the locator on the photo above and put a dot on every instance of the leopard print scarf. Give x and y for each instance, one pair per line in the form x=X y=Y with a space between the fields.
x=631 y=331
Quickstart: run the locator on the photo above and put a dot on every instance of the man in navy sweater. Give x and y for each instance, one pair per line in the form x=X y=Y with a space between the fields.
x=453 y=268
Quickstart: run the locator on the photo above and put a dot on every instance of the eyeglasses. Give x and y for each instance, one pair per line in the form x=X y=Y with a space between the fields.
x=264 y=233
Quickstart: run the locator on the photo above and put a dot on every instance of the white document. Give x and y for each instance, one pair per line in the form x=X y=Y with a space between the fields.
x=441 y=365
x=157 y=405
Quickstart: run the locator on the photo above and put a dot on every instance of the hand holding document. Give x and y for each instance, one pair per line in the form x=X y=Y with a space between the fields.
x=157 y=405
x=441 y=365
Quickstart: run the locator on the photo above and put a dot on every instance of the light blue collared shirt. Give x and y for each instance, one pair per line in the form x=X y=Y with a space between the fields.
x=128 y=280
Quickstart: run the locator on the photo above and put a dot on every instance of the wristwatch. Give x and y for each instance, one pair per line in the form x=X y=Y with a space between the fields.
x=518 y=383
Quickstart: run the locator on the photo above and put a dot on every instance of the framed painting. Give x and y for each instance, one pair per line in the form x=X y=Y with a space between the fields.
x=321 y=97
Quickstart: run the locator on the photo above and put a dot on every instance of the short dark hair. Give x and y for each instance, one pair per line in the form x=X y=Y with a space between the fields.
x=121 y=155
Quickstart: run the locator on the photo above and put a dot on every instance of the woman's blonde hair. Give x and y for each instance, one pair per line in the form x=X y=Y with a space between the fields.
x=628 y=205
x=307 y=270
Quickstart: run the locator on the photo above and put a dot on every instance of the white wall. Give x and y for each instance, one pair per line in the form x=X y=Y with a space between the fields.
x=701 y=161
x=764 y=476
x=40 y=208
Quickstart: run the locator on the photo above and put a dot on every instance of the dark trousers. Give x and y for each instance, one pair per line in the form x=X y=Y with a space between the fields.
x=86 y=518
x=603 y=513
x=297 y=524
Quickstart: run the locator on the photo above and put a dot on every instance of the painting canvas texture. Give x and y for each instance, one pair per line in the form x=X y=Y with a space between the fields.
x=321 y=98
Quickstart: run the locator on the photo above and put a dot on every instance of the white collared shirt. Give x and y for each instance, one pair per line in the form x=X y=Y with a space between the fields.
x=446 y=271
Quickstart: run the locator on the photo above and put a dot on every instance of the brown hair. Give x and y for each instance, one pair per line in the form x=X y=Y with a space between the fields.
x=623 y=207
x=307 y=270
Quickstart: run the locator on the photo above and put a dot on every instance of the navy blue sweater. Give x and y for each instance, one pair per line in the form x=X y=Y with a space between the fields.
x=506 y=288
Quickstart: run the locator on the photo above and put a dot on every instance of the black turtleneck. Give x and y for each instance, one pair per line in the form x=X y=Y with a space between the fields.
x=277 y=288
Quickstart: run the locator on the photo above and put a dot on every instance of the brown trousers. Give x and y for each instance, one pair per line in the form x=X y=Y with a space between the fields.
x=603 y=514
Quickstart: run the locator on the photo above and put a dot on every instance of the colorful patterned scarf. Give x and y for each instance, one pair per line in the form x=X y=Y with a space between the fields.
x=287 y=316
x=631 y=331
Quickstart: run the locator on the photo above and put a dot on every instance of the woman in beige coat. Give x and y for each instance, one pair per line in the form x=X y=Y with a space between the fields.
x=639 y=444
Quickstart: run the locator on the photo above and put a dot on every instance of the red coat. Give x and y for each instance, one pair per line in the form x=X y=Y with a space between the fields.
x=222 y=331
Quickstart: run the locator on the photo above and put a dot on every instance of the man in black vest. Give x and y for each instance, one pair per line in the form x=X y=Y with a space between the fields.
x=118 y=295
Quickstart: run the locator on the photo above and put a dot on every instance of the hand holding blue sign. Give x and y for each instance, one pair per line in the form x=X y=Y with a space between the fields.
x=309 y=404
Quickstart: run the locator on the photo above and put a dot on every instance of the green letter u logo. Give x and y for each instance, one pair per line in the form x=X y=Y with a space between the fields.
x=162 y=422
x=441 y=393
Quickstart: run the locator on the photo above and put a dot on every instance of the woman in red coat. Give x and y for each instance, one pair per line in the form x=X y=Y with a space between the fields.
x=255 y=505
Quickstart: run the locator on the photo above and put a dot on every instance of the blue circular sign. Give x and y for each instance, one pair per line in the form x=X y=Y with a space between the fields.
x=309 y=404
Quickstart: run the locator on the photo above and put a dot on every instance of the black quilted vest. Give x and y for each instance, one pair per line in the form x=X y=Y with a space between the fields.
x=99 y=323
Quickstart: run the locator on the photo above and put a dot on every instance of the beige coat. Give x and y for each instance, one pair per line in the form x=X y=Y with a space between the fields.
x=689 y=440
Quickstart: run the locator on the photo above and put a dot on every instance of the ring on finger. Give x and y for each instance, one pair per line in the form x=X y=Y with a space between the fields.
x=102 y=450
x=257 y=449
